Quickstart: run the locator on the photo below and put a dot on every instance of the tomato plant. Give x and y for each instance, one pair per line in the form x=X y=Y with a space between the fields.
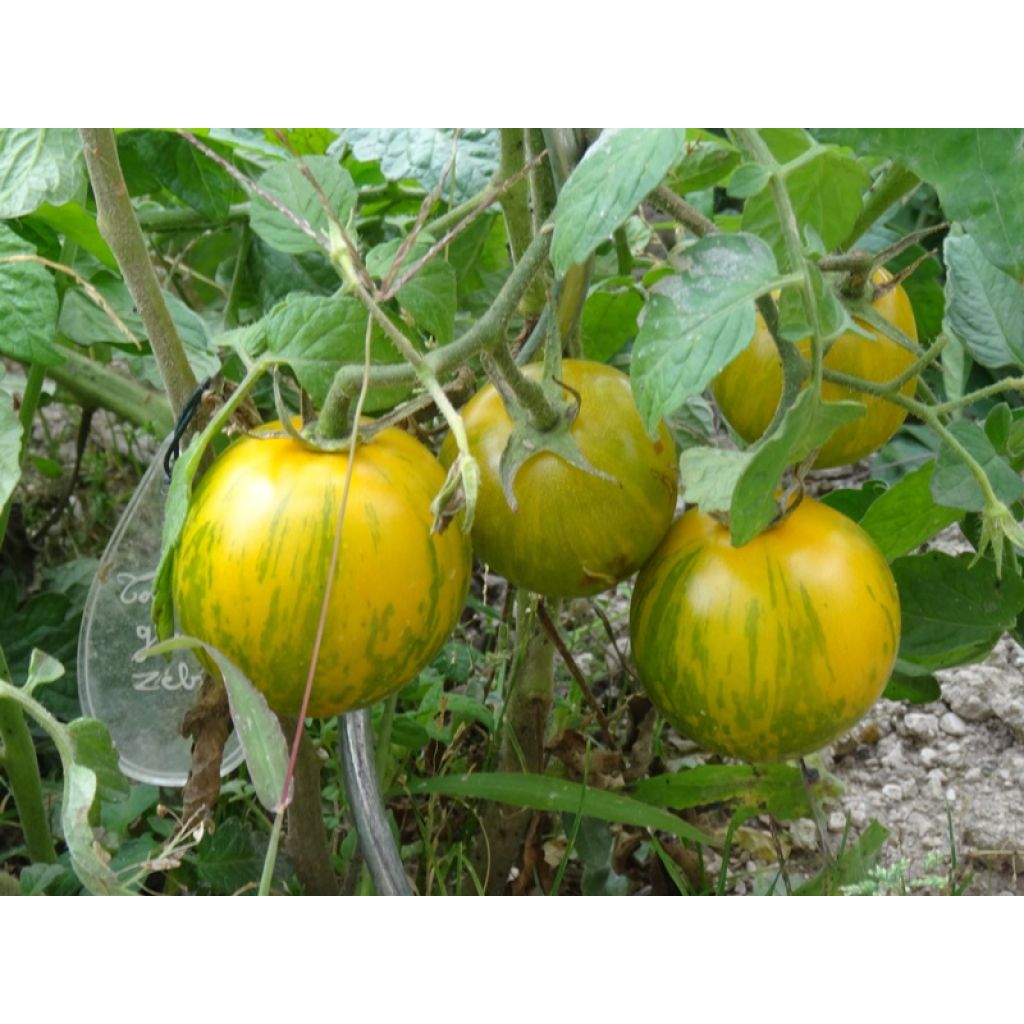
x=771 y=650
x=748 y=389
x=250 y=573
x=574 y=533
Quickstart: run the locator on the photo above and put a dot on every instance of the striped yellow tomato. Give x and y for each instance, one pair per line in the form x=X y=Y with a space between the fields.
x=251 y=570
x=772 y=650
x=748 y=389
x=574 y=533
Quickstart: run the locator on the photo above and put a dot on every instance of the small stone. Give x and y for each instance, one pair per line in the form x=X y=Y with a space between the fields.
x=972 y=774
x=892 y=791
x=952 y=724
x=921 y=725
x=929 y=757
x=836 y=821
x=804 y=833
x=950 y=795
x=740 y=888
x=859 y=816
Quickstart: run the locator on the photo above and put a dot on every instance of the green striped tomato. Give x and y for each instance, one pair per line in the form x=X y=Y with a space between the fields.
x=574 y=533
x=251 y=569
x=748 y=389
x=772 y=650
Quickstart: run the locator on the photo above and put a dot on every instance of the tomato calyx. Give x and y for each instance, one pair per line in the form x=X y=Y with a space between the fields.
x=527 y=440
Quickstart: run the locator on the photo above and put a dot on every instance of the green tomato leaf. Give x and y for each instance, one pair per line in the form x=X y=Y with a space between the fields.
x=316 y=336
x=913 y=689
x=854 y=502
x=807 y=425
x=953 y=611
x=605 y=187
x=287 y=184
x=708 y=476
x=182 y=169
x=953 y=484
x=827 y=196
x=227 y=860
x=38 y=165
x=696 y=321
x=429 y=156
x=10 y=448
x=609 y=320
x=95 y=751
x=43 y=668
x=259 y=732
x=977 y=173
x=705 y=162
x=430 y=297
x=905 y=516
x=544 y=793
x=78 y=225
x=747 y=180
x=28 y=305
x=984 y=305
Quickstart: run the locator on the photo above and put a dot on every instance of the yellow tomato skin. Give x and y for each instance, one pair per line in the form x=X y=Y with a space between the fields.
x=251 y=569
x=748 y=389
x=769 y=651
x=574 y=533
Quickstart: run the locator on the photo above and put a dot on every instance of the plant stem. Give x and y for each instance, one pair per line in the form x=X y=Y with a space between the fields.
x=543 y=193
x=513 y=385
x=515 y=205
x=271 y=856
x=161 y=220
x=484 y=334
x=689 y=216
x=91 y=383
x=238 y=278
x=23 y=775
x=120 y=227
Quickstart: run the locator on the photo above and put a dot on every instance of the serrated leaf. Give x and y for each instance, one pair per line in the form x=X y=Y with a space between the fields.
x=978 y=174
x=609 y=320
x=696 y=321
x=998 y=424
x=425 y=156
x=807 y=425
x=952 y=611
x=78 y=225
x=90 y=861
x=747 y=180
x=705 y=162
x=827 y=197
x=953 y=484
x=10 y=448
x=226 y=860
x=854 y=502
x=431 y=296
x=28 y=305
x=543 y=793
x=905 y=516
x=605 y=187
x=38 y=165
x=95 y=751
x=708 y=476
x=259 y=732
x=288 y=185
x=316 y=336
x=984 y=305
x=834 y=318
x=913 y=689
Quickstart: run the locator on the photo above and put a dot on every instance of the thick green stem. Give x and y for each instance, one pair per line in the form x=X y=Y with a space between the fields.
x=92 y=384
x=514 y=386
x=484 y=334
x=120 y=227
x=689 y=216
x=515 y=205
x=238 y=279
x=23 y=775
x=543 y=193
x=159 y=220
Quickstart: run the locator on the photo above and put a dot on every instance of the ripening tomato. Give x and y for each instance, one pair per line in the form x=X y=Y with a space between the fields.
x=748 y=389
x=574 y=533
x=251 y=569
x=772 y=650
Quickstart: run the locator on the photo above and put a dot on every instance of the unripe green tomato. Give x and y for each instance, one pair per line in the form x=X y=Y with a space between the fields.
x=574 y=533
x=748 y=390
x=772 y=650
x=251 y=568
